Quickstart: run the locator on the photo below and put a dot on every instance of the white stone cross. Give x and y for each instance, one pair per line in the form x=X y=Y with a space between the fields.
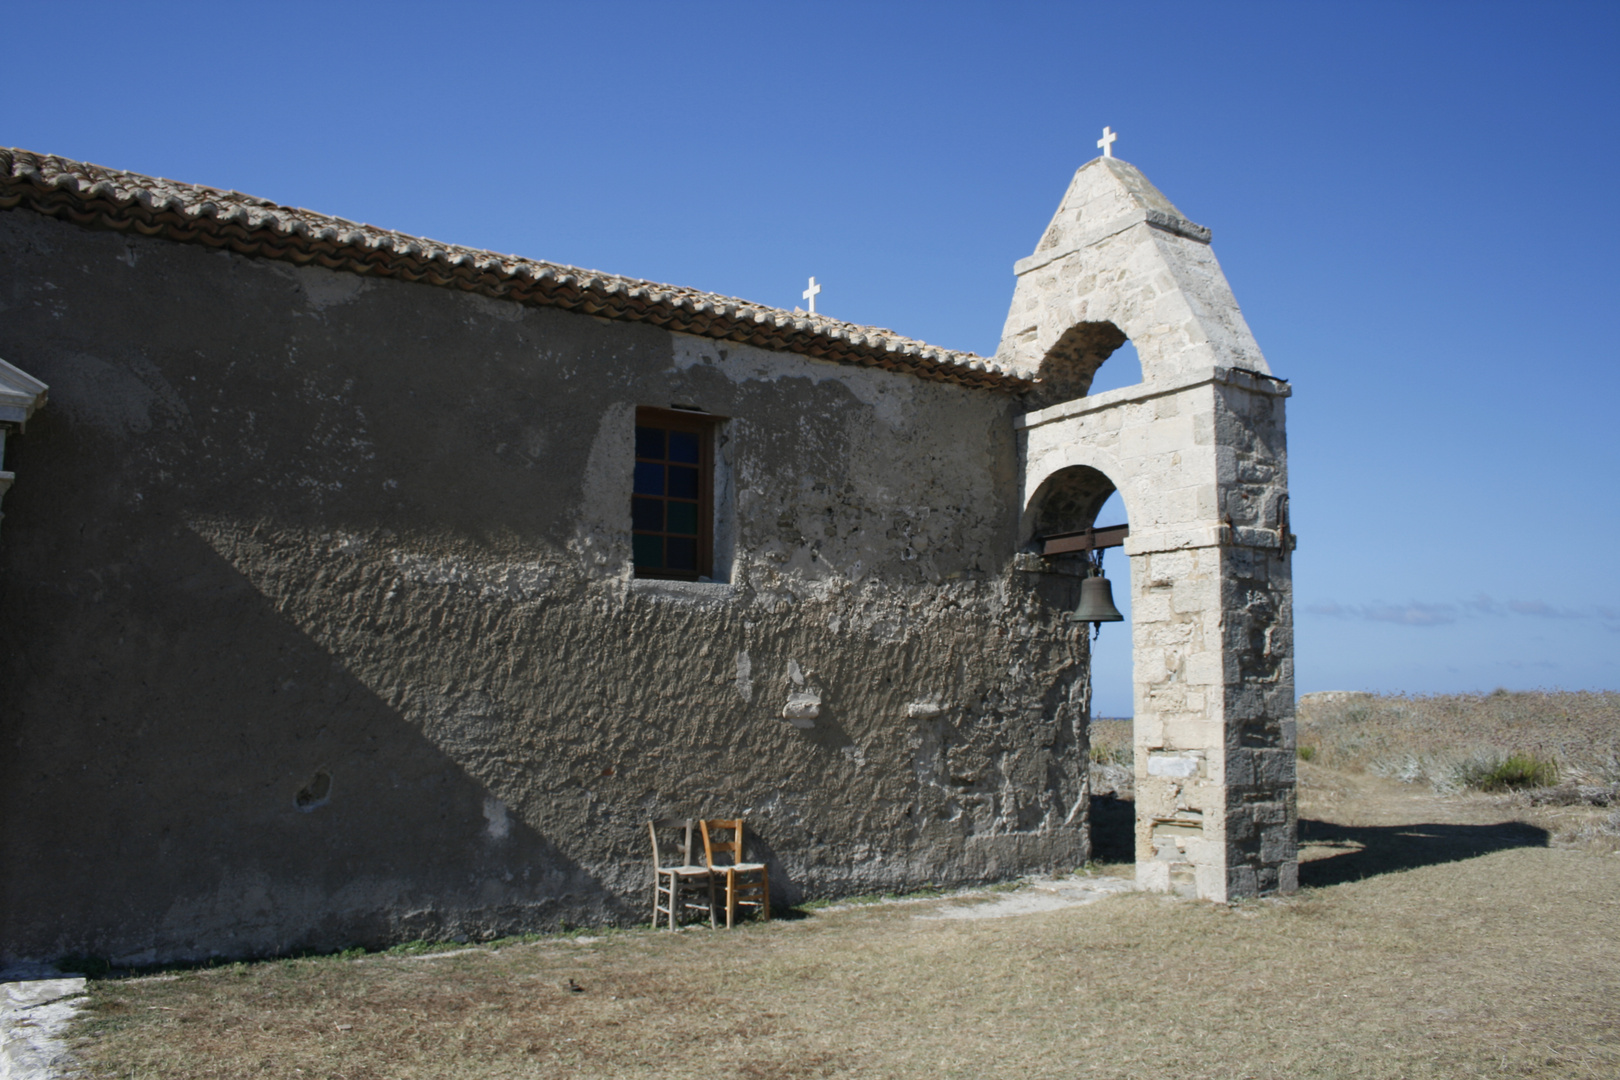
x=1106 y=143
x=810 y=294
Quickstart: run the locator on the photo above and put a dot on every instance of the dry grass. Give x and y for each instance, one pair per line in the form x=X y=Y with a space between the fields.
x=1445 y=738
x=1111 y=742
x=1440 y=939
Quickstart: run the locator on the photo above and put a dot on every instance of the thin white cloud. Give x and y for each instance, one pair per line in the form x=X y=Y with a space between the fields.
x=1425 y=613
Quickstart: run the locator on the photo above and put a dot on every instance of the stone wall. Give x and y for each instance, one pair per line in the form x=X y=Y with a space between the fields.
x=317 y=624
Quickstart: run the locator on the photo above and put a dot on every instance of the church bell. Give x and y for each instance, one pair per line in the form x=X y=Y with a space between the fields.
x=1096 y=602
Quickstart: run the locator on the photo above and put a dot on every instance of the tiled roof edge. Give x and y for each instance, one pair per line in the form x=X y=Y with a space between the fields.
x=97 y=197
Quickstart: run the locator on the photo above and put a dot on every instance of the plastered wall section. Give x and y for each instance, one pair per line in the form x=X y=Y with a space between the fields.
x=1201 y=466
x=318 y=625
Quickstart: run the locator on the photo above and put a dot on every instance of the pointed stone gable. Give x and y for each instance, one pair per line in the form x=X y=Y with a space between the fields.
x=1118 y=252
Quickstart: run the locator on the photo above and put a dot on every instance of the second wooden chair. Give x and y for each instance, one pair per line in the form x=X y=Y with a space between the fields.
x=747 y=884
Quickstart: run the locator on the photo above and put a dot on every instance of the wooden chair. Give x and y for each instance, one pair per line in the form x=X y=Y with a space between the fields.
x=747 y=884
x=671 y=884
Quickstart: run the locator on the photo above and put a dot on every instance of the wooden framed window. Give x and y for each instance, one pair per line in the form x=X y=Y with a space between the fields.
x=672 y=507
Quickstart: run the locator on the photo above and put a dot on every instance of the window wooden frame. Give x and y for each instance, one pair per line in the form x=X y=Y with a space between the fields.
x=703 y=426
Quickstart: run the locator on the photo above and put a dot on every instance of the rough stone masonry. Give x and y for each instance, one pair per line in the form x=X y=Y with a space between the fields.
x=320 y=623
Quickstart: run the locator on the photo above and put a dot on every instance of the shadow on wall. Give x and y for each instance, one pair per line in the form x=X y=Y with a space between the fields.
x=247 y=796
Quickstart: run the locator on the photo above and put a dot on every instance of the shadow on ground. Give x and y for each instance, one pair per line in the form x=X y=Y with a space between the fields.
x=1370 y=850
x=1362 y=850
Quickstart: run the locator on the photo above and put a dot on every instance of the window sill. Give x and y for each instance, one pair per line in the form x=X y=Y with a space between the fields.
x=672 y=589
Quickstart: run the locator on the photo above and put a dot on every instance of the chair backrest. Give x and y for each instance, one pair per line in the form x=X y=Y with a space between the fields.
x=716 y=848
x=681 y=848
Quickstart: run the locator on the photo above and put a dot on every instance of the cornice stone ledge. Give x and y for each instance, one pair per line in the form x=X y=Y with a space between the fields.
x=1146 y=391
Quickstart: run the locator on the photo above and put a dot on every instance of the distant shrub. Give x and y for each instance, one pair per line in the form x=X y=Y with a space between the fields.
x=1306 y=753
x=1507 y=774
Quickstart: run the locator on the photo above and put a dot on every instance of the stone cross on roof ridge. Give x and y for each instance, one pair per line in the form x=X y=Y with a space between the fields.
x=1106 y=143
x=810 y=295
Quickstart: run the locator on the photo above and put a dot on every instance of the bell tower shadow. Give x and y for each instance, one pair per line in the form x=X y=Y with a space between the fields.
x=293 y=809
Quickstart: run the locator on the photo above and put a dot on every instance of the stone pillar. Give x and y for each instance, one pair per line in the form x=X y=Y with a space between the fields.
x=1212 y=636
x=1197 y=452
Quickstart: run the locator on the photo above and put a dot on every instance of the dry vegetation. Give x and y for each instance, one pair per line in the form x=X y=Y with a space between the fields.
x=1443 y=738
x=1439 y=935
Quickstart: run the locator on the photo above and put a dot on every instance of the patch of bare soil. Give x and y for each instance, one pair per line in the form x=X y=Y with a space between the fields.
x=1438 y=937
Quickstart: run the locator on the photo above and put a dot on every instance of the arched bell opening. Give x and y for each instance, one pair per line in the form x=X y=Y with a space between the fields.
x=1066 y=502
x=1090 y=358
x=1076 y=523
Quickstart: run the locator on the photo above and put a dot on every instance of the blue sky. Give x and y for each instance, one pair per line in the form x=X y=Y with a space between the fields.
x=1413 y=203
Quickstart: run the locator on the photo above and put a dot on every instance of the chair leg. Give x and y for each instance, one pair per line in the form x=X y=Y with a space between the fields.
x=731 y=897
x=765 y=891
x=711 y=902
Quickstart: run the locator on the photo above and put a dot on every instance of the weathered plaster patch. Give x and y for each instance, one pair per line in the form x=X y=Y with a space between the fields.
x=887 y=394
x=128 y=398
x=323 y=288
x=802 y=708
x=745 y=680
x=500 y=826
x=603 y=529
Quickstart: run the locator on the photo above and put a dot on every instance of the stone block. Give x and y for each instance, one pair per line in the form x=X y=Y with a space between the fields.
x=1288 y=876
x=1276 y=844
x=1178 y=765
x=1205 y=669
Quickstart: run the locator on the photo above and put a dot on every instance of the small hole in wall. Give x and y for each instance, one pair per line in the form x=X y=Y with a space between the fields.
x=316 y=793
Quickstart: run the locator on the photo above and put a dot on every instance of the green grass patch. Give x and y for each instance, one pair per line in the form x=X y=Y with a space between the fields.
x=1509 y=774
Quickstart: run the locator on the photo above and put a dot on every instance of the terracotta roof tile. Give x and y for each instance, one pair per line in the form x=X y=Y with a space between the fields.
x=107 y=198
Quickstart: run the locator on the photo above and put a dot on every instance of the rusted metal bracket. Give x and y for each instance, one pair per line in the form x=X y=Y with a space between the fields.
x=1090 y=540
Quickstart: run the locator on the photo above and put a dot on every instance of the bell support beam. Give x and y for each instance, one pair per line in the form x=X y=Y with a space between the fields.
x=1109 y=536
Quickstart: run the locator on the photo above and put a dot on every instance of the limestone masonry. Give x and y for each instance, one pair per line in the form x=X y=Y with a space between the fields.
x=332 y=612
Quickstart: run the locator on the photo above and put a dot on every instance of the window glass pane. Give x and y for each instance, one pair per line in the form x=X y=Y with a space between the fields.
x=683 y=446
x=649 y=552
x=647 y=515
x=650 y=479
x=649 y=442
x=682 y=518
x=683 y=482
x=682 y=553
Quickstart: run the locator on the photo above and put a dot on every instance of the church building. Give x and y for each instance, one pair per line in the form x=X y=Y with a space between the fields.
x=358 y=588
